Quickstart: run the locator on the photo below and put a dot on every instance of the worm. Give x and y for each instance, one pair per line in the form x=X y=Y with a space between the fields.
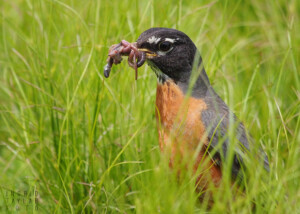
x=136 y=58
x=107 y=68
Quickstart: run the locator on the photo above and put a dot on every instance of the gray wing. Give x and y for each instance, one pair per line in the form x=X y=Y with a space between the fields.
x=217 y=119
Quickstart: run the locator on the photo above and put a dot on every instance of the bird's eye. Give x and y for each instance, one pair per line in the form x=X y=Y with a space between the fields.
x=165 y=46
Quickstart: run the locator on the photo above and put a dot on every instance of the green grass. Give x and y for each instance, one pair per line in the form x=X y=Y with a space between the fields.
x=89 y=144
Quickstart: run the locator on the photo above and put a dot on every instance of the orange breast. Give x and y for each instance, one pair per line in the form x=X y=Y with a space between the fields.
x=182 y=131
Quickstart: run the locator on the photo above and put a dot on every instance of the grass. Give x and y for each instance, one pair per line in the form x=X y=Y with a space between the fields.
x=79 y=143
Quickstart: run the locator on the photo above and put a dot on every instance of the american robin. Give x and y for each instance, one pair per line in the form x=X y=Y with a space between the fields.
x=191 y=116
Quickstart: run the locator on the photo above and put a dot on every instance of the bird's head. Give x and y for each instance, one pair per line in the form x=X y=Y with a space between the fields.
x=169 y=52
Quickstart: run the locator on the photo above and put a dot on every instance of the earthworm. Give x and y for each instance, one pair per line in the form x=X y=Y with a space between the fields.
x=136 y=58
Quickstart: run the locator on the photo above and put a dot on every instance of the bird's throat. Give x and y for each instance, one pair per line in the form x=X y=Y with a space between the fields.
x=161 y=77
x=199 y=87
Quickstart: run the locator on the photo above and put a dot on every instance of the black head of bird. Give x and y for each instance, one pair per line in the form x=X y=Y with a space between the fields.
x=173 y=55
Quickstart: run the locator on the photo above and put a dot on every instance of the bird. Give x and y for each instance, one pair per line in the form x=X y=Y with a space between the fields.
x=192 y=119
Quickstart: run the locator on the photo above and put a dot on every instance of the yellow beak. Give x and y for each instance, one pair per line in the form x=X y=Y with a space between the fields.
x=149 y=54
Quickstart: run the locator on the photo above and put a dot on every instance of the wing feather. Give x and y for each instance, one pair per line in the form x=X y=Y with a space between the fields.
x=217 y=120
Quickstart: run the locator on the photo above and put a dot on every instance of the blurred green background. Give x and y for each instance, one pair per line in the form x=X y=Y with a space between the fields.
x=78 y=143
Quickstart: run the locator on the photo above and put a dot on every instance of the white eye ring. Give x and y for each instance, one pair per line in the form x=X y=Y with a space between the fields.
x=164 y=47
